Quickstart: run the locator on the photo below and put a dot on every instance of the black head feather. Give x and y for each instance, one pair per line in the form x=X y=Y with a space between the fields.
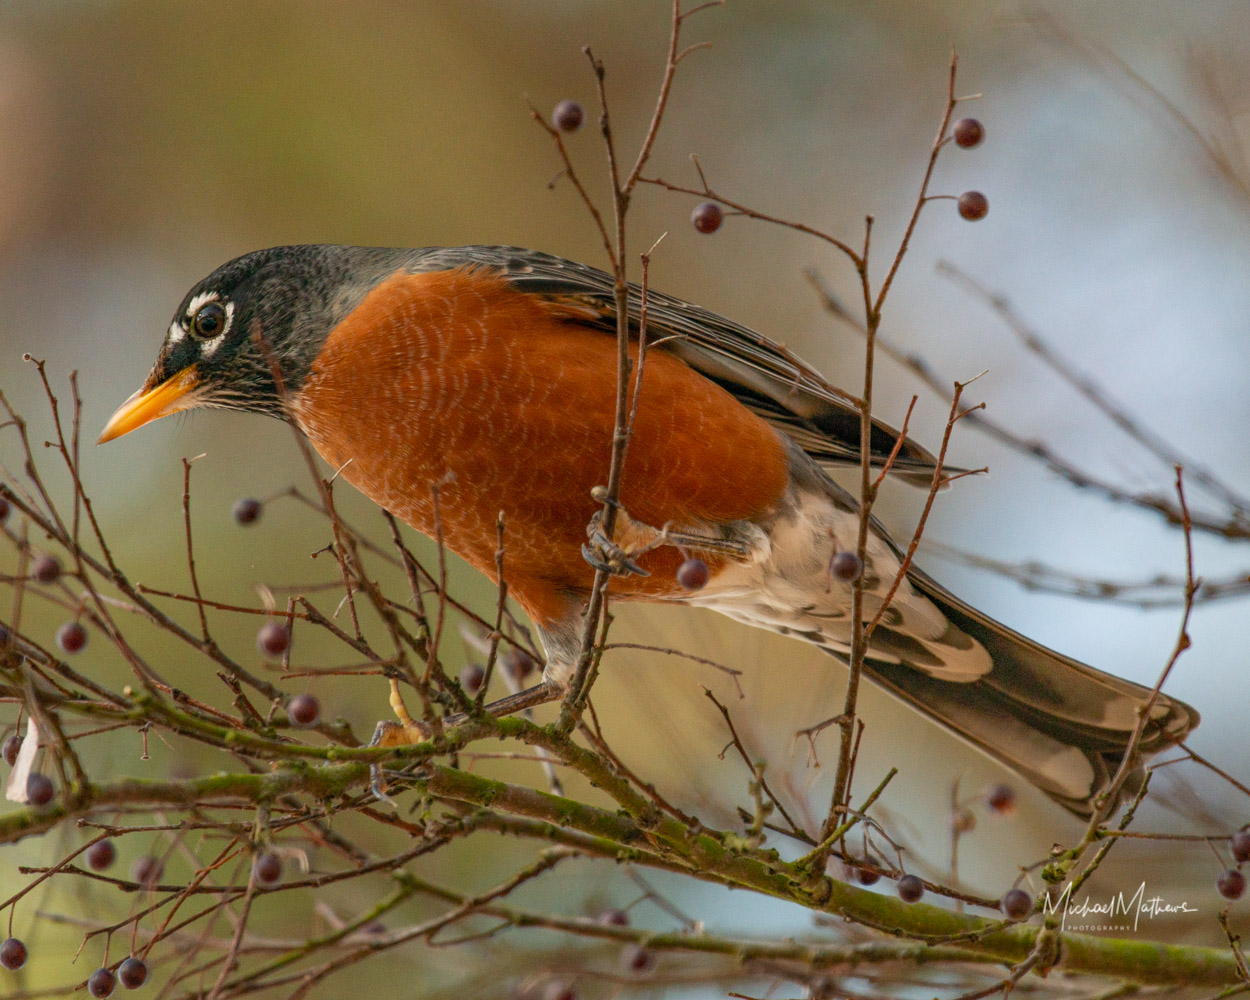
x=259 y=321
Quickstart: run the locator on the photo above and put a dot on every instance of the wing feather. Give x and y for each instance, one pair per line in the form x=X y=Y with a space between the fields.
x=765 y=376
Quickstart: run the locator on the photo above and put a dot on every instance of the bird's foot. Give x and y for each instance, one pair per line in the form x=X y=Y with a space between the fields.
x=617 y=555
x=609 y=557
x=632 y=538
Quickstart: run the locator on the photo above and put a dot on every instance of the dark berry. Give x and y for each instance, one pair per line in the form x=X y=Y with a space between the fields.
x=39 y=789
x=247 y=510
x=132 y=973
x=866 y=876
x=4 y=510
x=693 y=574
x=101 y=855
x=910 y=888
x=1016 y=904
x=267 y=867
x=518 y=663
x=1001 y=798
x=559 y=989
x=373 y=927
x=1231 y=883
x=9 y=751
x=964 y=821
x=472 y=678
x=973 y=205
x=303 y=709
x=568 y=116
x=71 y=637
x=46 y=569
x=637 y=959
x=846 y=566
x=101 y=983
x=12 y=954
x=273 y=639
x=1241 y=846
x=707 y=217
x=613 y=918
x=968 y=133
x=147 y=870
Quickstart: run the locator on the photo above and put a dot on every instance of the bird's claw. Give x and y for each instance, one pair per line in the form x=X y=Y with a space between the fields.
x=610 y=557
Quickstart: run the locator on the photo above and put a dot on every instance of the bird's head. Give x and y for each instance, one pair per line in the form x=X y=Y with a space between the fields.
x=245 y=336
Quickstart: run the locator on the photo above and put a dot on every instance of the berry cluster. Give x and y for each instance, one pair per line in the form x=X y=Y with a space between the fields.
x=1016 y=904
x=132 y=972
x=969 y=133
x=1231 y=882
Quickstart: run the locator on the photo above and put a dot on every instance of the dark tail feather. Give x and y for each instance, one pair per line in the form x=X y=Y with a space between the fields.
x=1061 y=724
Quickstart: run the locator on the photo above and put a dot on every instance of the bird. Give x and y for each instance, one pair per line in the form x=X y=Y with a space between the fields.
x=453 y=384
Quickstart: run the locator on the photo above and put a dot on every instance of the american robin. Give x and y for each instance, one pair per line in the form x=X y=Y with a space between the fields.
x=491 y=372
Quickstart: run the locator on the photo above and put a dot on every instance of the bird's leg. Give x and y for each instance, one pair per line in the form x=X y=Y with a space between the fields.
x=705 y=543
x=618 y=555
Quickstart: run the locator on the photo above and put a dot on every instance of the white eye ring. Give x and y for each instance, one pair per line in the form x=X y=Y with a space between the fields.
x=209 y=341
x=199 y=301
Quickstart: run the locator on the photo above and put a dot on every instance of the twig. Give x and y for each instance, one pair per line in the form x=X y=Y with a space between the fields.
x=872 y=305
x=186 y=520
x=1229 y=527
x=1183 y=642
x=587 y=660
x=756 y=769
x=1160 y=591
x=1088 y=387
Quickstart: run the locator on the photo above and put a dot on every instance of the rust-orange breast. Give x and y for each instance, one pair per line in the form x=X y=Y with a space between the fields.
x=454 y=379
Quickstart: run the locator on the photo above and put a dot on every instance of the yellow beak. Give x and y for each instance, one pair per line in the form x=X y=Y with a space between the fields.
x=146 y=405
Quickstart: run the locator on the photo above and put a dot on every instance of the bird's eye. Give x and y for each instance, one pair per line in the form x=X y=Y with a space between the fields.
x=209 y=321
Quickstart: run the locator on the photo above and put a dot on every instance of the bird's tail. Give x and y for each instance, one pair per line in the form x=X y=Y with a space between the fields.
x=1061 y=724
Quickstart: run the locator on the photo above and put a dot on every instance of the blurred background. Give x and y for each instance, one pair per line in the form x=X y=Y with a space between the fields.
x=143 y=143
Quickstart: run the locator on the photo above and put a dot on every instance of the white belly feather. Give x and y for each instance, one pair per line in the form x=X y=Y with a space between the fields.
x=785 y=585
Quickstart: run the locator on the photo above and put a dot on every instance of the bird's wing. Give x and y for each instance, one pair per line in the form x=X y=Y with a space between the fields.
x=762 y=374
